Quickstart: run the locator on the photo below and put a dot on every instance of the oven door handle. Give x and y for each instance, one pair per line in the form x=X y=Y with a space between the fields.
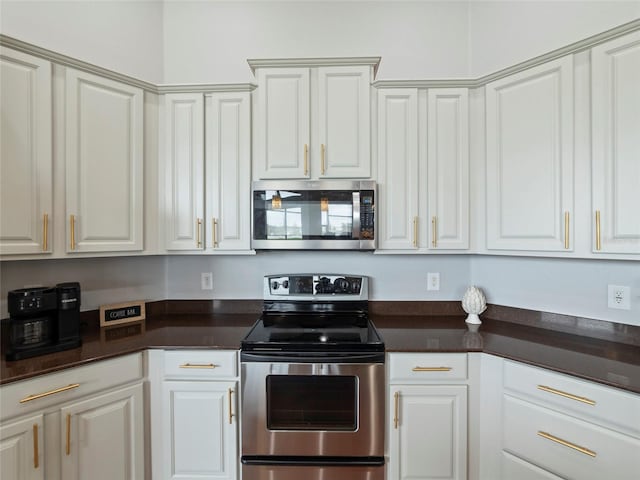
x=312 y=357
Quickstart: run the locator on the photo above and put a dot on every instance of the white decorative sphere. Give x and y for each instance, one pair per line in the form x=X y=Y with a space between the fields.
x=474 y=303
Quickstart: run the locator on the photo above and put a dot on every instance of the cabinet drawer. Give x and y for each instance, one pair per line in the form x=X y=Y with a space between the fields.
x=596 y=403
x=49 y=390
x=516 y=468
x=201 y=364
x=566 y=446
x=427 y=367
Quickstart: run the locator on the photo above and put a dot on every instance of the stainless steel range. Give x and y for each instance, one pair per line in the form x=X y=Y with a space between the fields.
x=313 y=383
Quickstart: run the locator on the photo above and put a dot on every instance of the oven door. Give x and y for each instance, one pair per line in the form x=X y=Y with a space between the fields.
x=312 y=409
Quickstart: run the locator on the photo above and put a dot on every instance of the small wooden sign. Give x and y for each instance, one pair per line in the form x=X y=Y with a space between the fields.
x=120 y=313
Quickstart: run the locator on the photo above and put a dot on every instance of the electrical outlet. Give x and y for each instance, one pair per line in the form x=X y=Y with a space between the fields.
x=433 y=281
x=619 y=297
x=206 y=281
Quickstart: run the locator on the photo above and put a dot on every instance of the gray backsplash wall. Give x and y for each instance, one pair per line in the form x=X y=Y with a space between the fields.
x=567 y=286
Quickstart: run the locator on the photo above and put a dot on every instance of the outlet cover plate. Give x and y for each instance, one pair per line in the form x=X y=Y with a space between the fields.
x=619 y=297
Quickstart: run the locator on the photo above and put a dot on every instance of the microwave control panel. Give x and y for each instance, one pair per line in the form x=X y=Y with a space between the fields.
x=367 y=214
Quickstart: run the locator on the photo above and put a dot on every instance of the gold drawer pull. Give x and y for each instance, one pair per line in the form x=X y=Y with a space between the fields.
x=431 y=369
x=566 y=230
x=68 y=449
x=396 y=409
x=215 y=233
x=45 y=234
x=36 y=454
x=598 y=240
x=50 y=392
x=573 y=446
x=199 y=365
x=306 y=159
x=434 y=232
x=72 y=228
x=588 y=401
x=415 y=232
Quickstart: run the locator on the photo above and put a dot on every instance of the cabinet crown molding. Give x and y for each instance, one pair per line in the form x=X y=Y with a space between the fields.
x=313 y=62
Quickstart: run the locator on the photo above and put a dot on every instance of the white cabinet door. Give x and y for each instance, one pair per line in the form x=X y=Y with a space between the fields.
x=200 y=431
x=529 y=127
x=344 y=117
x=102 y=437
x=184 y=171
x=104 y=164
x=282 y=123
x=428 y=432
x=22 y=449
x=25 y=153
x=398 y=168
x=616 y=144
x=228 y=170
x=448 y=168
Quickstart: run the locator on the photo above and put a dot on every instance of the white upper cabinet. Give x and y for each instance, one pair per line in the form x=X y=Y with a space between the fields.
x=344 y=122
x=615 y=84
x=228 y=171
x=448 y=168
x=313 y=122
x=26 y=154
x=104 y=164
x=282 y=130
x=529 y=128
x=398 y=168
x=183 y=171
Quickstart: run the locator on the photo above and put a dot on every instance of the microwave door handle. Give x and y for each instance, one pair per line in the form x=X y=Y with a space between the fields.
x=355 y=230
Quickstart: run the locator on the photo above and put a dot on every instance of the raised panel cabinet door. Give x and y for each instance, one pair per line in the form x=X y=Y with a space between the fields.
x=615 y=84
x=529 y=128
x=184 y=171
x=448 y=168
x=25 y=154
x=22 y=449
x=428 y=432
x=228 y=170
x=282 y=123
x=104 y=164
x=200 y=430
x=398 y=169
x=102 y=437
x=344 y=123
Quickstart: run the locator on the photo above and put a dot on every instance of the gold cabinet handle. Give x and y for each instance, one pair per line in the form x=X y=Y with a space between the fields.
x=215 y=233
x=431 y=369
x=577 y=398
x=45 y=233
x=36 y=453
x=573 y=446
x=72 y=227
x=566 y=230
x=322 y=158
x=199 y=365
x=231 y=414
x=598 y=242
x=50 y=392
x=434 y=232
x=396 y=409
x=68 y=449
x=198 y=229
x=415 y=232
x=306 y=159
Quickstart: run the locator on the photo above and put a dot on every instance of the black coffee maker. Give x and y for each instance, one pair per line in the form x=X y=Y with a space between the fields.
x=43 y=320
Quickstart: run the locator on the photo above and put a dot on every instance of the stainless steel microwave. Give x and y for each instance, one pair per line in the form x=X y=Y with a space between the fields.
x=313 y=215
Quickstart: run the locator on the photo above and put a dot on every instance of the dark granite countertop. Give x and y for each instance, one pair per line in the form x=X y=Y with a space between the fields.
x=602 y=360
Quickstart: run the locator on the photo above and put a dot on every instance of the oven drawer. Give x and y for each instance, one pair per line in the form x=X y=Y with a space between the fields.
x=407 y=368
x=296 y=472
x=603 y=405
x=201 y=364
x=566 y=446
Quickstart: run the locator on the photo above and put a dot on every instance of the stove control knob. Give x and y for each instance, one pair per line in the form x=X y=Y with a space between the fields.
x=274 y=285
x=342 y=285
x=285 y=284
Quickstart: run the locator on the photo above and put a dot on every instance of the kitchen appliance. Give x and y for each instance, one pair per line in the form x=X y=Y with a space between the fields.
x=314 y=215
x=313 y=382
x=43 y=320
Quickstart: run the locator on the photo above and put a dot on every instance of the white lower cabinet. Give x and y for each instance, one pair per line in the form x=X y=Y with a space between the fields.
x=21 y=451
x=427 y=427
x=103 y=436
x=194 y=423
x=81 y=423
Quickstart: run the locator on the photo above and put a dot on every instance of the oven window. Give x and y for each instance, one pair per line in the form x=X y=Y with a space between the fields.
x=312 y=402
